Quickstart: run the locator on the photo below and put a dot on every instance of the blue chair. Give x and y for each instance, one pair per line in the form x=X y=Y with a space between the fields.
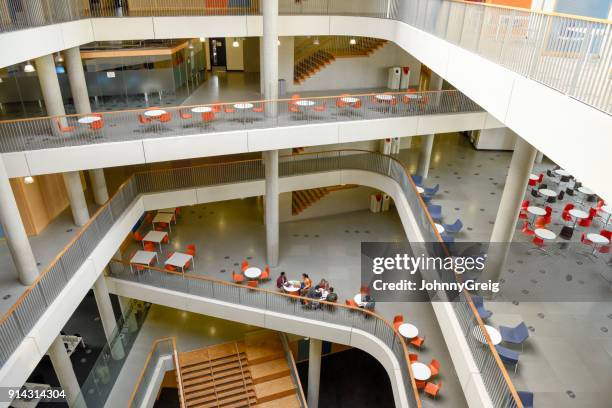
x=426 y=199
x=479 y=303
x=431 y=191
x=526 y=398
x=508 y=356
x=418 y=180
x=515 y=335
x=435 y=211
x=453 y=228
x=447 y=238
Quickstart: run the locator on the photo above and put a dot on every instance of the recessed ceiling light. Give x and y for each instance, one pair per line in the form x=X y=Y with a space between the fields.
x=277 y=42
x=59 y=58
x=28 y=179
x=316 y=41
x=235 y=44
x=29 y=67
x=353 y=41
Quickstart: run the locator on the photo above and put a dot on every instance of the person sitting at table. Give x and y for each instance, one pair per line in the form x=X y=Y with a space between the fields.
x=281 y=280
x=322 y=285
x=306 y=283
x=331 y=295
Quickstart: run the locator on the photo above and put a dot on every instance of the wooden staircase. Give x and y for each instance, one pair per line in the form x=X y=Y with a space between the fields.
x=310 y=59
x=249 y=373
x=302 y=199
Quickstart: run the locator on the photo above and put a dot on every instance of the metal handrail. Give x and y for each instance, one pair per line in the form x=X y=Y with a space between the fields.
x=179 y=375
x=293 y=369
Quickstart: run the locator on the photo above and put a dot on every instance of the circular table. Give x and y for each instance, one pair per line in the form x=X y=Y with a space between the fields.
x=408 y=330
x=349 y=99
x=576 y=213
x=585 y=190
x=385 y=97
x=304 y=102
x=154 y=113
x=420 y=190
x=536 y=210
x=494 y=335
x=597 y=239
x=291 y=286
x=545 y=234
x=547 y=192
x=562 y=173
x=357 y=299
x=243 y=105
x=414 y=96
x=252 y=272
x=89 y=119
x=440 y=228
x=534 y=177
x=201 y=109
x=420 y=371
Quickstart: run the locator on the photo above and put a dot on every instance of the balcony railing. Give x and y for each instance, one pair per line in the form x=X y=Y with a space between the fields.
x=31 y=305
x=61 y=131
x=162 y=348
x=568 y=53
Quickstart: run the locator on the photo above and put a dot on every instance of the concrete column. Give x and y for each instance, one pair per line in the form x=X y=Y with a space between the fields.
x=76 y=76
x=270 y=52
x=15 y=233
x=435 y=84
x=65 y=372
x=539 y=157
x=78 y=205
x=107 y=316
x=509 y=207
x=98 y=185
x=49 y=85
x=314 y=372
x=272 y=240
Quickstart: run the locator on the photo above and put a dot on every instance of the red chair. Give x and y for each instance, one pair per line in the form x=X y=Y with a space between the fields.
x=585 y=222
x=170 y=268
x=166 y=239
x=568 y=207
x=191 y=249
x=351 y=303
x=413 y=357
x=259 y=108
x=565 y=215
x=585 y=240
x=216 y=107
x=526 y=230
x=340 y=103
x=524 y=204
x=592 y=213
x=252 y=284
x=540 y=178
x=137 y=236
x=64 y=129
x=177 y=211
x=294 y=109
x=606 y=233
x=185 y=115
x=522 y=214
x=418 y=341
x=208 y=116
x=143 y=119
x=237 y=278
x=533 y=182
x=420 y=384
x=149 y=217
x=434 y=367
x=149 y=246
x=166 y=117
x=97 y=125
x=357 y=105
x=245 y=265
x=540 y=222
x=265 y=274
x=538 y=242
x=433 y=389
x=397 y=321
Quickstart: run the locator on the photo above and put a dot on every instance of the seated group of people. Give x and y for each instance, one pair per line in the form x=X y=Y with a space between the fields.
x=308 y=290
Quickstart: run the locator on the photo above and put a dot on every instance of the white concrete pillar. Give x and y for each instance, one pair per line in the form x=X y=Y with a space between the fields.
x=270 y=53
x=539 y=157
x=98 y=185
x=509 y=207
x=76 y=76
x=435 y=84
x=49 y=85
x=107 y=316
x=314 y=372
x=272 y=206
x=65 y=372
x=16 y=237
x=76 y=196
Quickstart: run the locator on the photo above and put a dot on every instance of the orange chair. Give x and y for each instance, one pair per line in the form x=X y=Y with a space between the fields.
x=166 y=117
x=252 y=284
x=420 y=384
x=166 y=239
x=149 y=217
x=97 y=125
x=185 y=115
x=397 y=321
x=351 y=303
x=143 y=119
x=170 y=268
x=321 y=108
x=237 y=278
x=413 y=357
x=340 y=103
x=216 y=107
x=418 y=341
x=177 y=211
x=294 y=109
x=245 y=265
x=357 y=105
x=137 y=236
x=258 y=108
x=434 y=367
x=191 y=249
x=160 y=226
x=149 y=246
x=229 y=109
x=64 y=129
x=433 y=389
x=295 y=97
x=208 y=116
x=265 y=274
x=540 y=222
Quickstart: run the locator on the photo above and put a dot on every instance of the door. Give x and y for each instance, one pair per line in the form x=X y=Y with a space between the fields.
x=217 y=52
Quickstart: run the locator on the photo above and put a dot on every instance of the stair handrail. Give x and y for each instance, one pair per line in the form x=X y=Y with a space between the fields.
x=293 y=369
x=244 y=384
x=179 y=375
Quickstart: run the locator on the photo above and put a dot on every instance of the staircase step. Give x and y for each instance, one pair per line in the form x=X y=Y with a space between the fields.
x=206 y=365
x=218 y=393
x=219 y=384
x=236 y=400
x=289 y=401
x=274 y=389
x=217 y=375
x=269 y=370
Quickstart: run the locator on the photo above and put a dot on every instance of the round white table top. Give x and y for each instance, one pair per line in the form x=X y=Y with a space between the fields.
x=288 y=287
x=597 y=239
x=607 y=209
x=89 y=119
x=585 y=190
x=252 y=272
x=385 y=97
x=421 y=190
x=534 y=177
x=574 y=212
x=421 y=371
x=547 y=192
x=562 y=173
x=536 y=210
x=154 y=113
x=408 y=330
x=440 y=228
x=494 y=335
x=304 y=102
x=545 y=234
x=243 y=105
x=201 y=109
x=349 y=99
x=413 y=96
x=357 y=299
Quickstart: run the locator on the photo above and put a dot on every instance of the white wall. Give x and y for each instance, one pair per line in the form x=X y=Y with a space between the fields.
x=495 y=139
x=357 y=72
x=235 y=56
x=285 y=60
